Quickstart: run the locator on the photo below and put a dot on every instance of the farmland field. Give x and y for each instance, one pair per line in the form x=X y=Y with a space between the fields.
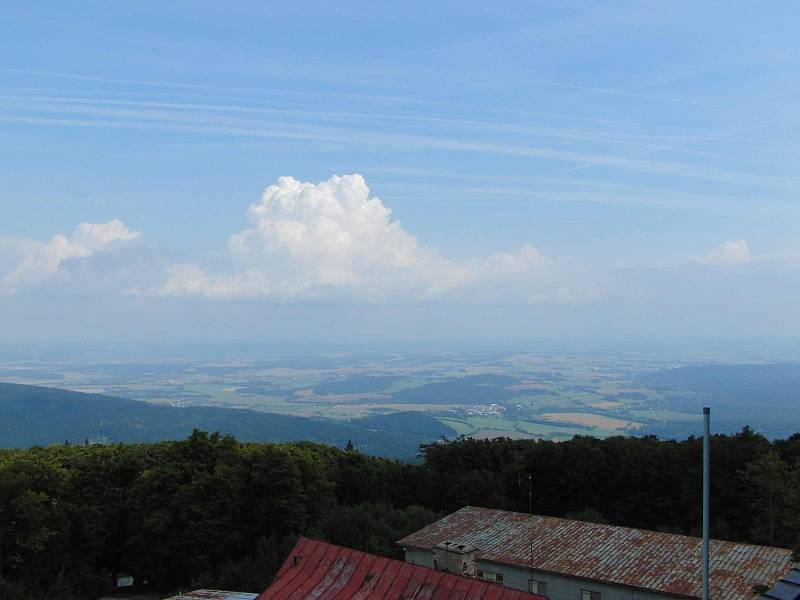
x=540 y=395
x=591 y=420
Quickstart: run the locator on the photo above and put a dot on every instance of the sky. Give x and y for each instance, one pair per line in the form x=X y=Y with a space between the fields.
x=415 y=171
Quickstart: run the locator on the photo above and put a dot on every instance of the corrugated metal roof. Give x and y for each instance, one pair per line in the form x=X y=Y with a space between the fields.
x=319 y=571
x=652 y=560
x=214 y=595
x=788 y=588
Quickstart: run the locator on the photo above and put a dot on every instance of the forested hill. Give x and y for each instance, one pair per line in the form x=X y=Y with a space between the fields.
x=33 y=415
x=778 y=381
x=764 y=396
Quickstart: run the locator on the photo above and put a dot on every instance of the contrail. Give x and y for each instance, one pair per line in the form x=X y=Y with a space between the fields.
x=413 y=100
x=246 y=90
x=622 y=93
x=652 y=149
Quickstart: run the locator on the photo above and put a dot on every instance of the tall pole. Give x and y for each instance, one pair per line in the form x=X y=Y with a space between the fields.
x=706 y=497
x=530 y=511
x=530 y=576
x=530 y=494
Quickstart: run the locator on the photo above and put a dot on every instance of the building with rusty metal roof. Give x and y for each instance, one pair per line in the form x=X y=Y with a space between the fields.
x=576 y=560
x=319 y=571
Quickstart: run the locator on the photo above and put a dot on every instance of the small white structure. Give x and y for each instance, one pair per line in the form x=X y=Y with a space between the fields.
x=455 y=558
x=124 y=581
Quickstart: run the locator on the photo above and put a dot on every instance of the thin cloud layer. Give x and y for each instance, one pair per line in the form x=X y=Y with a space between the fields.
x=331 y=239
x=25 y=262
x=731 y=252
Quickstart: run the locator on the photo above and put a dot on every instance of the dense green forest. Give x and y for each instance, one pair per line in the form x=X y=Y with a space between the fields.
x=213 y=511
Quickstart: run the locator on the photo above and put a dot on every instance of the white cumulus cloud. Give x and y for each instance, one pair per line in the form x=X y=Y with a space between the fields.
x=314 y=240
x=731 y=252
x=24 y=261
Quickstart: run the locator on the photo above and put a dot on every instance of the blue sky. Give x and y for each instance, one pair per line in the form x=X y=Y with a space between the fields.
x=552 y=168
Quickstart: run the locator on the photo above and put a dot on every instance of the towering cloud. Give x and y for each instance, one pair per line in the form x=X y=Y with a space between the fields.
x=309 y=240
x=305 y=242
x=24 y=261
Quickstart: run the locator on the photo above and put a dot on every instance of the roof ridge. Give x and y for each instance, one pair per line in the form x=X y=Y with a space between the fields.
x=613 y=526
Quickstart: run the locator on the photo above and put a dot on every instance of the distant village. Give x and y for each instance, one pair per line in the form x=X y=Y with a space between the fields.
x=483 y=410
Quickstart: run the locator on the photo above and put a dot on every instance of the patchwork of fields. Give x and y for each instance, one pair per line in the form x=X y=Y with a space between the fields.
x=482 y=395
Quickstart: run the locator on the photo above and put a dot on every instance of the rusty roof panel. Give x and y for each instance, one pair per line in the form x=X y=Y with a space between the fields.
x=318 y=571
x=663 y=562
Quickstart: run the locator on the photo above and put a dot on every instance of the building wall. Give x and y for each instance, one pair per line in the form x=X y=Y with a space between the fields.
x=423 y=558
x=559 y=587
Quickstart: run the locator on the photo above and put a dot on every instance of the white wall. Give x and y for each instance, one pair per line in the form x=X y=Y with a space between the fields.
x=559 y=587
x=423 y=558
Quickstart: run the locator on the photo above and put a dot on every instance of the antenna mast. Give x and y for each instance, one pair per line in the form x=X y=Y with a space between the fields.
x=530 y=493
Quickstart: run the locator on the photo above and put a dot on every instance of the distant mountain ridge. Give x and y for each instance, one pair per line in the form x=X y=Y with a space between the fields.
x=34 y=415
x=765 y=396
x=783 y=375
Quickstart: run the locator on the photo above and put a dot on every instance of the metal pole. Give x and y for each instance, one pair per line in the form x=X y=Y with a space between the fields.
x=530 y=575
x=706 y=497
x=530 y=510
x=530 y=494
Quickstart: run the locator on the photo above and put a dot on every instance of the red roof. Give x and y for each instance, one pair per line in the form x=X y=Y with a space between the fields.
x=652 y=560
x=319 y=571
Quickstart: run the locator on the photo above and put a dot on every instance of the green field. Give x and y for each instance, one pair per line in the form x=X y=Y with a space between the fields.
x=461 y=427
x=472 y=425
x=664 y=415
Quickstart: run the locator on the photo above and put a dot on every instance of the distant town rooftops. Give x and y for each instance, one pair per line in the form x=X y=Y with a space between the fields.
x=636 y=558
x=213 y=595
x=788 y=588
x=316 y=569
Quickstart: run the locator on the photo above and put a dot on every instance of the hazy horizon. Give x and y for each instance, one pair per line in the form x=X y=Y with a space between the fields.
x=682 y=351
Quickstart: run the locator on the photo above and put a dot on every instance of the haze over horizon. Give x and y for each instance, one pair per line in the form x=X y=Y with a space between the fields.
x=361 y=173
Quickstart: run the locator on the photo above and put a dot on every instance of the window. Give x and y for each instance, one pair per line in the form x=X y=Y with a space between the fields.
x=589 y=595
x=491 y=576
x=538 y=587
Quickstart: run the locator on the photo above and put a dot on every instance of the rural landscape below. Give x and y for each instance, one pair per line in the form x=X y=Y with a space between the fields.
x=427 y=396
